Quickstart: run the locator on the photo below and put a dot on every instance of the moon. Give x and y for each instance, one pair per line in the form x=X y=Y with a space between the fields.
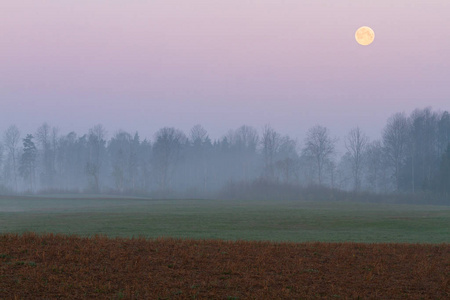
x=364 y=35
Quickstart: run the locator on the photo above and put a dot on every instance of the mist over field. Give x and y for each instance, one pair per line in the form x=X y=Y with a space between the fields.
x=412 y=158
x=102 y=97
x=226 y=149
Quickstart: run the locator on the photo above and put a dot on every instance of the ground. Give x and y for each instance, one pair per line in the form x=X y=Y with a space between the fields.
x=292 y=221
x=57 y=266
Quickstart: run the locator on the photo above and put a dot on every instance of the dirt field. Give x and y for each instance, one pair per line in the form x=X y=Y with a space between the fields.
x=56 y=266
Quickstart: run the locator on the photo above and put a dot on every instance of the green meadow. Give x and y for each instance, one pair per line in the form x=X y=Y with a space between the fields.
x=293 y=221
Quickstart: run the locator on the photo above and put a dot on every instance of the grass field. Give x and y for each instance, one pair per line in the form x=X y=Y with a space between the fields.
x=230 y=220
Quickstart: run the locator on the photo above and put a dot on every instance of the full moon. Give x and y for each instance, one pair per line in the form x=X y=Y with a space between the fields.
x=364 y=35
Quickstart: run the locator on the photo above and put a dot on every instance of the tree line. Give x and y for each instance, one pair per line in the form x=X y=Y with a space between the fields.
x=412 y=155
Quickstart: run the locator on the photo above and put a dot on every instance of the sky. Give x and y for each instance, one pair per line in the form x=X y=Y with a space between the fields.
x=142 y=65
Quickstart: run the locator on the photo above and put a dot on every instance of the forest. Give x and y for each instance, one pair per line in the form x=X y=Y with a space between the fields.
x=412 y=157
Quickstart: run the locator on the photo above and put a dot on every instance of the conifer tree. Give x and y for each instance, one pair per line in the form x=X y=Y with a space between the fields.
x=28 y=161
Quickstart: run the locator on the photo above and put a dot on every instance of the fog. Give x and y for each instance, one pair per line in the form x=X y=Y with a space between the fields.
x=411 y=157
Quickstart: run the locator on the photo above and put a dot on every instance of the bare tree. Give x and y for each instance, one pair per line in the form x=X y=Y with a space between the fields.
x=395 y=141
x=247 y=137
x=423 y=150
x=200 y=150
x=11 y=141
x=47 y=140
x=270 y=144
x=70 y=161
x=96 y=146
x=166 y=154
x=145 y=161
x=1 y=157
x=246 y=140
x=343 y=172
x=320 y=147
x=443 y=132
x=287 y=159
x=356 y=143
x=376 y=174
x=133 y=162
x=119 y=149
x=198 y=134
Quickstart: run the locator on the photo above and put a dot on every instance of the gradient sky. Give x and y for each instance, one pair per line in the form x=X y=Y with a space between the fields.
x=141 y=65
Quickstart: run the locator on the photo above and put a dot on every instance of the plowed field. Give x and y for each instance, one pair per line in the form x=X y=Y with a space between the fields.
x=57 y=266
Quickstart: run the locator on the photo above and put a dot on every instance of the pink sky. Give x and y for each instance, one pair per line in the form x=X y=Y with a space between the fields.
x=142 y=65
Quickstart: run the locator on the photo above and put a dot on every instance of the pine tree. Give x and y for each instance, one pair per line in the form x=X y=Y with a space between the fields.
x=28 y=160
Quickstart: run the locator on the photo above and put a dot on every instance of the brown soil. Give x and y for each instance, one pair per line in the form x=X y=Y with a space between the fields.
x=57 y=266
